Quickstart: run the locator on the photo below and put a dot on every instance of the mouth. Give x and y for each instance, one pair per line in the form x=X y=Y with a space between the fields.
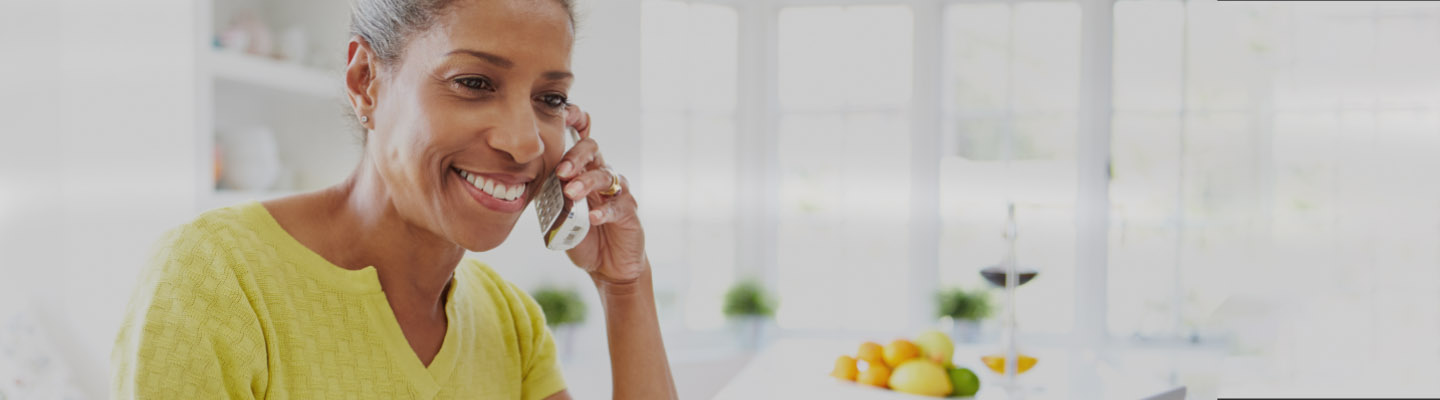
x=503 y=193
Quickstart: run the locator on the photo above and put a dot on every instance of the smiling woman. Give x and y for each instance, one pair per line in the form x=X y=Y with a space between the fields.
x=360 y=290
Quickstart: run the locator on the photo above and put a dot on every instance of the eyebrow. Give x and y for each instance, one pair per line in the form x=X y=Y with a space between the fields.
x=503 y=62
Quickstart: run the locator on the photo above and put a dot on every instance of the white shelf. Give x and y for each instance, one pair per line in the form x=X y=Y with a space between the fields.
x=274 y=74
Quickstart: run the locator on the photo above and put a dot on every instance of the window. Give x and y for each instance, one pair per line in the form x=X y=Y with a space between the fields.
x=1265 y=153
x=1256 y=149
x=689 y=153
x=844 y=88
x=1011 y=101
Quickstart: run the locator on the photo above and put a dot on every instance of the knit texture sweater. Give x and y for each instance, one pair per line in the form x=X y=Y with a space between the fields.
x=232 y=306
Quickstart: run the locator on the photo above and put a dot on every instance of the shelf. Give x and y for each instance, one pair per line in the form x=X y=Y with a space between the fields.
x=274 y=74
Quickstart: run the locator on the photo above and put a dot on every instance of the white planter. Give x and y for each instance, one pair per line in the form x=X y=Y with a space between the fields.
x=565 y=341
x=750 y=332
x=964 y=331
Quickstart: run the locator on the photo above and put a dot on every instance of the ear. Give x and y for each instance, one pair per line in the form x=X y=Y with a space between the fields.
x=361 y=83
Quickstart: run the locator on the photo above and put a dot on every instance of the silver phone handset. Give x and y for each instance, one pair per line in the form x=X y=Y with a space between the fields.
x=563 y=222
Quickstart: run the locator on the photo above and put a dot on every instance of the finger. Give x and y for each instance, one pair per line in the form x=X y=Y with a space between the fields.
x=588 y=182
x=578 y=119
x=622 y=195
x=612 y=211
x=578 y=159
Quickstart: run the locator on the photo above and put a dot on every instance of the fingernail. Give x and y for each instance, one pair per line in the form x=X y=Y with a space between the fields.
x=563 y=170
x=574 y=188
x=597 y=215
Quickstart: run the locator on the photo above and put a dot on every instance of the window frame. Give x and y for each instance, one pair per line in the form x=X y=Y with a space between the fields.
x=758 y=115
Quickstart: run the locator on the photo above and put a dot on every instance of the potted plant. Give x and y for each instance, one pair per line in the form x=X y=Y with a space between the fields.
x=964 y=309
x=747 y=304
x=564 y=311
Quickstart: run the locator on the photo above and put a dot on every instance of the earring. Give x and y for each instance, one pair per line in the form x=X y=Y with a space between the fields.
x=364 y=119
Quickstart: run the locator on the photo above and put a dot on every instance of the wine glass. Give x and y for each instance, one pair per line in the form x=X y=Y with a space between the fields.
x=1009 y=276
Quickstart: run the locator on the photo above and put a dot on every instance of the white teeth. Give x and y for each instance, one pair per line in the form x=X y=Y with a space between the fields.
x=494 y=189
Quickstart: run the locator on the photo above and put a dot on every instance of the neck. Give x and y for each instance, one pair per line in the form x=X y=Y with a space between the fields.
x=414 y=265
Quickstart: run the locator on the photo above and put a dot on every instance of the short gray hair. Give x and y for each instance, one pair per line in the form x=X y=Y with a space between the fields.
x=387 y=24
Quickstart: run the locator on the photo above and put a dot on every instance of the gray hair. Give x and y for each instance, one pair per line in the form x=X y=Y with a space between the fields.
x=387 y=24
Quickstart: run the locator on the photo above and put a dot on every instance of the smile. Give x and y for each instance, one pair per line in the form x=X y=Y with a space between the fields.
x=498 y=190
x=493 y=191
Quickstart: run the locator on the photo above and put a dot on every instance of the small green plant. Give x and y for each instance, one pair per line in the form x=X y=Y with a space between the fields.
x=561 y=306
x=747 y=298
x=962 y=305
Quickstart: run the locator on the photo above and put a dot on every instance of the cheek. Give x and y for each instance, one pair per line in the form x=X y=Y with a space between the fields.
x=554 y=151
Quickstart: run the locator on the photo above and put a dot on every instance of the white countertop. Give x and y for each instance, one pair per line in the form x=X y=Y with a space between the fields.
x=800 y=368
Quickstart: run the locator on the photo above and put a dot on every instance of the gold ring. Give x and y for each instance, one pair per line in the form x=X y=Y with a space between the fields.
x=614 y=188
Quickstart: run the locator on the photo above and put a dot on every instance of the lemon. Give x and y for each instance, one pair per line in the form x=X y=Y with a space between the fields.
x=922 y=377
x=876 y=374
x=845 y=368
x=997 y=363
x=871 y=352
x=900 y=351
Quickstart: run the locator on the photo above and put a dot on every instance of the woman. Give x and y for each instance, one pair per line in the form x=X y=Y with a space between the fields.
x=359 y=290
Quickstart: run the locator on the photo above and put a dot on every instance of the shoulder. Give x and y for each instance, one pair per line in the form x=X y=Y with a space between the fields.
x=205 y=253
x=190 y=326
x=216 y=229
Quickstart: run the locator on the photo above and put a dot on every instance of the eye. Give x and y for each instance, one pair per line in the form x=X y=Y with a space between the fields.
x=555 y=101
x=476 y=83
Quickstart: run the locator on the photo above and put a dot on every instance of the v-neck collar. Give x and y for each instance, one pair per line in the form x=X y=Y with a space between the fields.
x=427 y=380
x=365 y=282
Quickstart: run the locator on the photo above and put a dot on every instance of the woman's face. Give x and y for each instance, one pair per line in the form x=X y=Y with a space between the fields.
x=478 y=96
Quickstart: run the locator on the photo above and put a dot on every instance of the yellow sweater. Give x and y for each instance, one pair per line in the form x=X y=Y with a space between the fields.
x=232 y=306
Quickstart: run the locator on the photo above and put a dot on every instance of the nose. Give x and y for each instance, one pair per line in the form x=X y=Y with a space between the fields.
x=517 y=133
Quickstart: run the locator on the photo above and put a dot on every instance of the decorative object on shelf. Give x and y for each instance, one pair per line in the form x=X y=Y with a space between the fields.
x=218 y=166
x=564 y=311
x=294 y=45
x=251 y=159
x=964 y=309
x=749 y=307
x=247 y=33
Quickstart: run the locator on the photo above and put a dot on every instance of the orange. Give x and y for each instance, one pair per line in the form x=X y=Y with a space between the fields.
x=899 y=351
x=876 y=374
x=871 y=352
x=845 y=368
x=997 y=363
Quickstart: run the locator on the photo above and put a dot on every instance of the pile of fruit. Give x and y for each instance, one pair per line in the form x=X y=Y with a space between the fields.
x=920 y=367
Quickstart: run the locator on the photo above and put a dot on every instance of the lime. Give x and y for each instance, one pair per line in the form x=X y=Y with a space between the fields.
x=964 y=382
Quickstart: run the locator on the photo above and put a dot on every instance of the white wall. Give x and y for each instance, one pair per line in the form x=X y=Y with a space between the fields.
x=96 y=159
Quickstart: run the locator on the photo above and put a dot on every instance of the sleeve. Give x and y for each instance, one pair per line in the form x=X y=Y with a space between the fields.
x=540 y=367
x=189 y=331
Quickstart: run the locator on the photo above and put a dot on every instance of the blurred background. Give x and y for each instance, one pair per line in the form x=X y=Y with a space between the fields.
x=1235 y=197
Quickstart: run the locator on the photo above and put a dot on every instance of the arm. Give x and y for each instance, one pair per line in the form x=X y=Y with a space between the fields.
x=613 y=253
x=638 y=366
x=189 y=331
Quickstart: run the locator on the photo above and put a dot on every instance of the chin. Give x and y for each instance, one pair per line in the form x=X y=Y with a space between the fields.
x=483 y=239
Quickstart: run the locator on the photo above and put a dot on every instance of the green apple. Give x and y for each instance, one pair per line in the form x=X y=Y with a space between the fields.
x=935 y=346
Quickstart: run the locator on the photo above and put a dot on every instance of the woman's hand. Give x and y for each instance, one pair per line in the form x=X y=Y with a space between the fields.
x=614 y=250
